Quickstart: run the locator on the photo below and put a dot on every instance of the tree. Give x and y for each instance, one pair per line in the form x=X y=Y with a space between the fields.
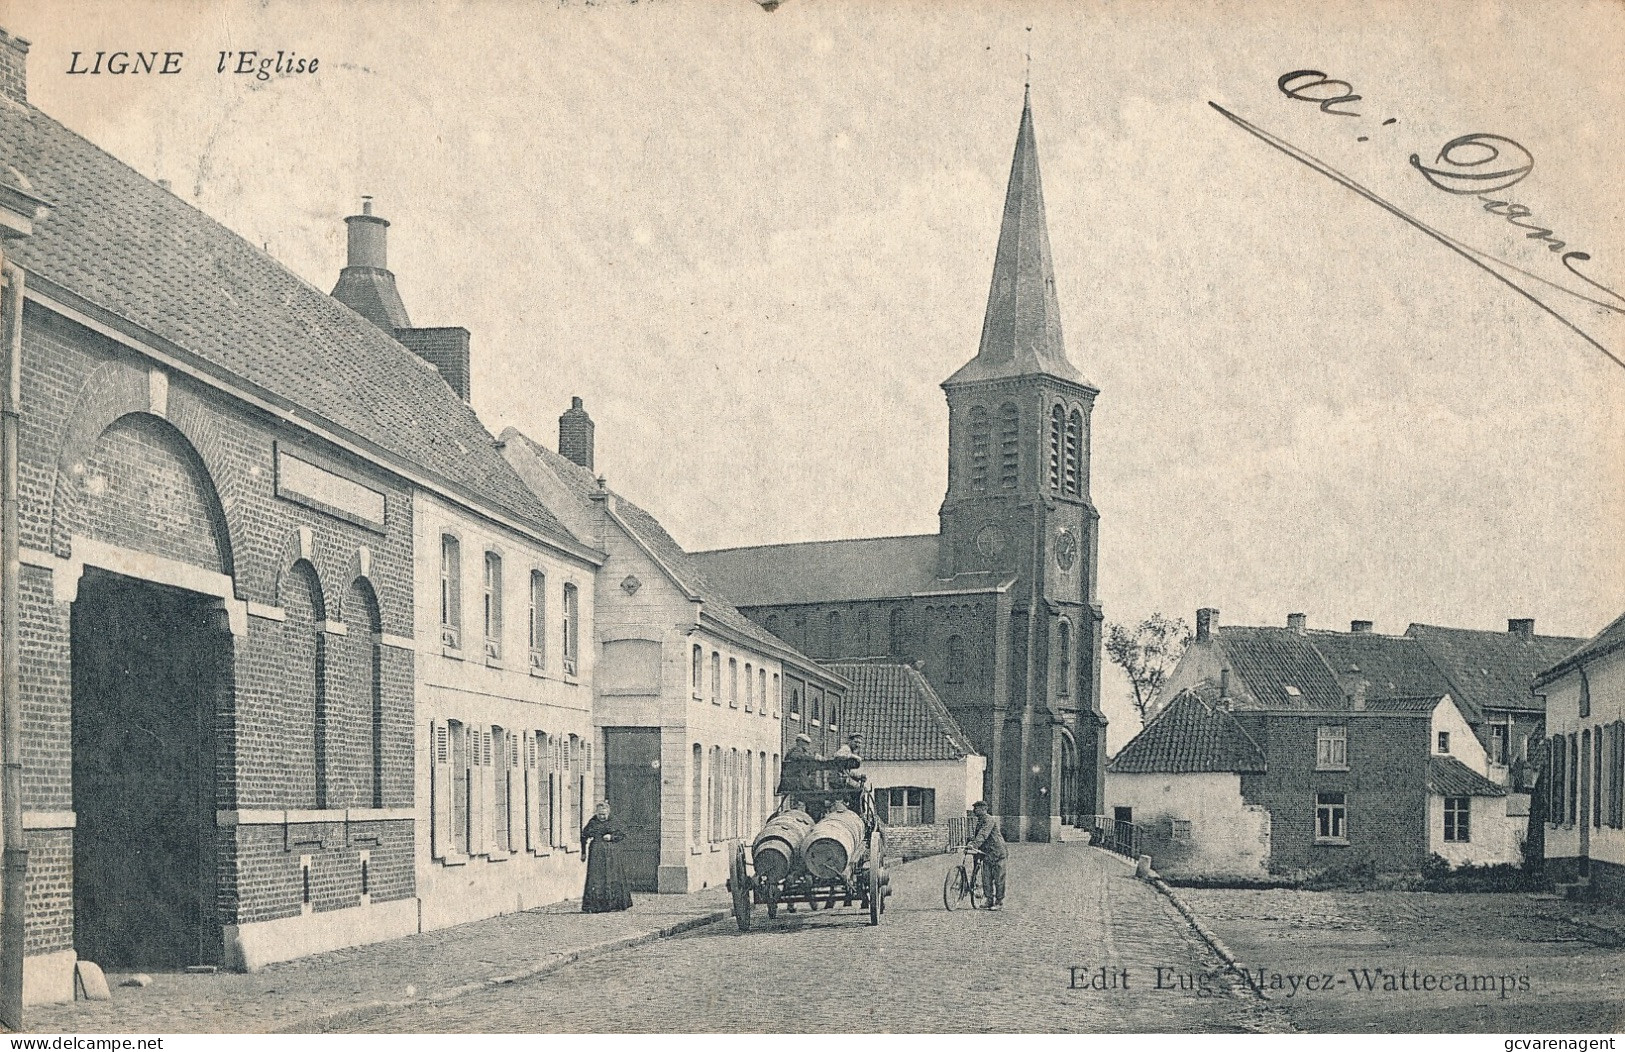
x=1147 y=653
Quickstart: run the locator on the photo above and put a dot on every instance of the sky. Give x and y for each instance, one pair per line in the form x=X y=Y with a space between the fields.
x=756 y=243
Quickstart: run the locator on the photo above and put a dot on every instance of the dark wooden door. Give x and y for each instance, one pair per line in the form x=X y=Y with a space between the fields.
x=632 y=787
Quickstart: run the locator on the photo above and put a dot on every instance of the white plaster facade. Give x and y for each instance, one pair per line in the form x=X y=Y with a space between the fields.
x=1595 y=686
x=1197 y=823
x=1493 y=835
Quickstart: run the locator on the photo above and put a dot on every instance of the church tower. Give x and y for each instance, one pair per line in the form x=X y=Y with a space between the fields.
x=1018 y=507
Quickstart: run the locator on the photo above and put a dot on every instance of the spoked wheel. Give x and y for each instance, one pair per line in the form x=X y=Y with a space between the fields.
x=740 y=884
x=955 y=888
x=877 y=878
x=978 y=897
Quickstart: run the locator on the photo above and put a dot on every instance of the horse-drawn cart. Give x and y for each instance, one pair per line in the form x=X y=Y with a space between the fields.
x=823 y=847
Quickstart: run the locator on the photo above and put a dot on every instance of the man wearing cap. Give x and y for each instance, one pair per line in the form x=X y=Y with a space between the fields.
x=800 y=766
x=986 y=837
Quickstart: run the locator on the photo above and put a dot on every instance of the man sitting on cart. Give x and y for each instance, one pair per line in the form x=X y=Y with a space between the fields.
x=986 y=837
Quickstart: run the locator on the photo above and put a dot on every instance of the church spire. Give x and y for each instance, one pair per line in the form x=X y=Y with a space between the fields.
x=1021 y=333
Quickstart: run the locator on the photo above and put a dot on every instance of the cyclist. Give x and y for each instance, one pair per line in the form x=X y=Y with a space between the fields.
x=986 y=837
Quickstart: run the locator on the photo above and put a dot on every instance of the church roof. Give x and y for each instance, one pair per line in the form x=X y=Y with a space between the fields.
x=1190 y=736
x=823 y=571
x=898 y=714
x=1021 y=332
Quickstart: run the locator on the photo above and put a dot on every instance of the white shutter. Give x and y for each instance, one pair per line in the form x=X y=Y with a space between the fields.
x=515 y=794
x=487 y=793
x=440 y=791
x=530 y=791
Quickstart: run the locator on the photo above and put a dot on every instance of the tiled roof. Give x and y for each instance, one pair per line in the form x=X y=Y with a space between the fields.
x=828 y=571
x=898 y=714
x=1190 y=736
x=1492 y=670
x=1281 y=668
x=1448 y=776
x=1607 y=641
x=1422 y=703
x=1390 y=665
x=653 y=536
x=140 y=253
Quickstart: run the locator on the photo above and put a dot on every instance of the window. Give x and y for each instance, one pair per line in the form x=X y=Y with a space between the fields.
x=980 y=441
x=1457 y=819
x=1332 y=748
x=1009 y=445
x=834 y=711
x=537 y=634
x=696 y=816
x=716 y=678
x=1585 y=694
x=538 y=792
x=698 y=672
x=733 y=683
x=1072 y=467
x=956 y=659
x=778 y=699
x=462 y=772
x=501 y=788
x=815 y=706
x=1057 y=423
x=493 y=605
x=1499 y=735
x=765 y=795
x=750 y=689
x=451 y=592
x=1180 y=829
x=572 y=629
x=761 y=692
x=1331 y=818
x=713 y=784
x=895 y=632
x=908 y=806
x=1444 y=743
x=1065 y=686
x=795 y=703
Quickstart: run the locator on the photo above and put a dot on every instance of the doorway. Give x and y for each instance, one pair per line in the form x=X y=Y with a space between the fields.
x=632 y=787
x=149 y=666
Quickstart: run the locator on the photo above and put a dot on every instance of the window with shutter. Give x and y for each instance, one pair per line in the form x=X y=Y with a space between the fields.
x=928 y=807
x=499 y=791
x=459 y=779
x=440 y=792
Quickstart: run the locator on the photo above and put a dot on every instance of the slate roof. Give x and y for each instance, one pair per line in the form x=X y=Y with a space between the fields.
x=898 y=714
x=1390 y=665
x=1190 y=736
x=1492 y=669
x=648 y=531
x=1448 y=776
x=1607 y=641
x=834 y=571
x=143 y=255
x=1281 y=668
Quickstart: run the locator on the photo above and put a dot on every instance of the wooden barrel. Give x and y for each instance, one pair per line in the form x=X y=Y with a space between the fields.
x=778 y=844
x=834 y=845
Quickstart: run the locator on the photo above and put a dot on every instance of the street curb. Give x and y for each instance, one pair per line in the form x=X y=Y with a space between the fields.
x=362 y=1013
x=1208 y=936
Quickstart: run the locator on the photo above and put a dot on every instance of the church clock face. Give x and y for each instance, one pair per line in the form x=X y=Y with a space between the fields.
x=1066 y=550
x=991 y=542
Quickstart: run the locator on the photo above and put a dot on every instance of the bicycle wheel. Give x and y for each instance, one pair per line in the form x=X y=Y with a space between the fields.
x=973 y=888
x=954 y=888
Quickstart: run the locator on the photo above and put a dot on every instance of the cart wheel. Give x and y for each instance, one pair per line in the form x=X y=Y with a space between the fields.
x=739 y=883
x=877 y=879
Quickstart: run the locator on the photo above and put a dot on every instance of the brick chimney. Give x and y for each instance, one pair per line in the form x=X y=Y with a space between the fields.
x=1522 y=627
x=445 y=348
x=13 y=67
x=1360 y=628
x=575 y=435
x=1298 y=623
x=1207 y=622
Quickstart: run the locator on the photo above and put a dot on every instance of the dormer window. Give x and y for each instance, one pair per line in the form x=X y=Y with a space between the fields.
x=1444 y=743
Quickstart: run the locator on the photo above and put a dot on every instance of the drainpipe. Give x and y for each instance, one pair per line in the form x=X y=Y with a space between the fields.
x=14 y=860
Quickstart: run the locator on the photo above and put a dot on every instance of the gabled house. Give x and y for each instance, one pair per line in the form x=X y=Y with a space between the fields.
x=1584 y=783
x=925 y=771
x=693 y=703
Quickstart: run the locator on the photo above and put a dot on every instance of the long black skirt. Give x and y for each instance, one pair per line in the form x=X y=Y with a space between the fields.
x=607 y=888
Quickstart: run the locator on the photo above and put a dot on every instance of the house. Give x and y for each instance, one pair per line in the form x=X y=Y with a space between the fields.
x=1000 y=603
x=693 y=704
x=503 y=735
x=924 y=770
x=1584 y=784
x=1366 y=755
x=220 y=476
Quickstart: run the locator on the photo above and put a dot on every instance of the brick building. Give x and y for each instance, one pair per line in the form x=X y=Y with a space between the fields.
x=694 y=703
x=221 y=476
x=1584 y=785
x=1000 y=605
x=1367 y=755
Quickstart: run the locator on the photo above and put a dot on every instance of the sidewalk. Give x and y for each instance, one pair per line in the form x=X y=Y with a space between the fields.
x=346 y=987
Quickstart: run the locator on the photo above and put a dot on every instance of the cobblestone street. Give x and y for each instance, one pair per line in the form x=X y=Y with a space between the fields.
x=923 y=969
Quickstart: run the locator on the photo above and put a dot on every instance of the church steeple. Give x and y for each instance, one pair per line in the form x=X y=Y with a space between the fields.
x=1021 y=332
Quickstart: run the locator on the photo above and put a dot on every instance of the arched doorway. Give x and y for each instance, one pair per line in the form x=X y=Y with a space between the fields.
x=1071 y=785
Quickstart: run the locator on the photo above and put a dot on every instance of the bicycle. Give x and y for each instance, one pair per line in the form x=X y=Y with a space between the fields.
x=960 y=885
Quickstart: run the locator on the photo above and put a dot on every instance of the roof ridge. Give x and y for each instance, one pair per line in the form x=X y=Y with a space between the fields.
x=793 y=544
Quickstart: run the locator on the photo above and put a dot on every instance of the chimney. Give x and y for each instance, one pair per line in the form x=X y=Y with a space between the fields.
x=1299 y=623
x=575 y=435
x=1360 y=628
x=366 y=285
x=13 y=67
x=1522 y=627
x=1207 y=619
x=445 y=348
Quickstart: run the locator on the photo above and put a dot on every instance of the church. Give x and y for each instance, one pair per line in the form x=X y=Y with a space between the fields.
x=998 y=608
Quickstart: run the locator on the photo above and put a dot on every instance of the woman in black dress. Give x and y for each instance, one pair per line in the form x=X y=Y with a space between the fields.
x=607 y=888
